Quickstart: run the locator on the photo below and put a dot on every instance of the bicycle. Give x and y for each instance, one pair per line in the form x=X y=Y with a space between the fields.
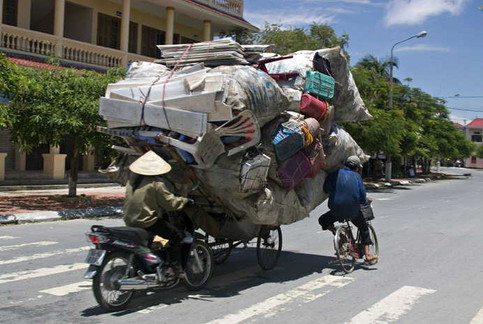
x=349 y=250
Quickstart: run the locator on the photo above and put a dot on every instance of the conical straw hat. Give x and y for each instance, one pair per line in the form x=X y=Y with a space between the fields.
x=150 y=164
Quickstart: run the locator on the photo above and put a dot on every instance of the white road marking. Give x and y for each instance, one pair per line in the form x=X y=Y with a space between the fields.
x=7 y=237
x=223 y=278
x=392 y=307
x=152 y=309
x=41 y=272
x=41 y=243
x=44 y=255
x=478 y=319
x=268 y=307
x=384 y=198
x=68 y=289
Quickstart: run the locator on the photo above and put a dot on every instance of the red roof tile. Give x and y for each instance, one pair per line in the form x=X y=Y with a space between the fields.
x=33 y=64
x=478 y=122
x=457 y=125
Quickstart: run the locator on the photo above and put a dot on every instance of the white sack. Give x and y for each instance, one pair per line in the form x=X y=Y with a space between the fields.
x=338 y=147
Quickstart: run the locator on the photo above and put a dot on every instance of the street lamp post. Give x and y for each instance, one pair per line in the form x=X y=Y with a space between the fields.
x=391 y=86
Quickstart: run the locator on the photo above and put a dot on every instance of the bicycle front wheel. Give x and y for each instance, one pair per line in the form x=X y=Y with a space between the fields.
x=342 y=246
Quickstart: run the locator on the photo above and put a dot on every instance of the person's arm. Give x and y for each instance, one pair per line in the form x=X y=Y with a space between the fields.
x=167 y=200
x=328 y=183
x=362 y=191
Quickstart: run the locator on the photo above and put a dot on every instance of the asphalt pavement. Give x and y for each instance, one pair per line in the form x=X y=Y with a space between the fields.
x=430 y=270
x=53 y=215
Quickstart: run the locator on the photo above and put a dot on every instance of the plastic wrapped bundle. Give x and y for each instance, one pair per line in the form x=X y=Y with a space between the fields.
x=249 y=88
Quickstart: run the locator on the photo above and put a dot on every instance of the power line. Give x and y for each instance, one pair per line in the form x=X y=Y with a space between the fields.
x=461 y=97
x=465 y=109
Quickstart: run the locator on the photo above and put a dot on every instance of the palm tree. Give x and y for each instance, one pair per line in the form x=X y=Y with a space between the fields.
x=380 y=68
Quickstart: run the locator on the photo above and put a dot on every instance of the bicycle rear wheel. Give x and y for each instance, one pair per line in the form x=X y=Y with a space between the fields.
x=269 y=246
x=342 y=243
x=374 y=248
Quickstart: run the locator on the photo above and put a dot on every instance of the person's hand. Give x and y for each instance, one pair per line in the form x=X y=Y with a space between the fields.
x=369 y=200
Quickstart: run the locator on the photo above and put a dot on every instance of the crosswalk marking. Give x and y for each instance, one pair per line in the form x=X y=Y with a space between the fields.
x=478 y=319
x=41 y=272
x=44 y=255
x=68 y=289
x=41 y=243
x=7 y=237
x=392 y=307
x=268 y=306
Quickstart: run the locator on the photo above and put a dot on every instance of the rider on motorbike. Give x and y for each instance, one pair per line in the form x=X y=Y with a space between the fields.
x=149 y=197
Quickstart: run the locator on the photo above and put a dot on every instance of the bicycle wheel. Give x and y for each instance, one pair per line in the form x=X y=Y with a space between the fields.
x=221 y=249
x=374 y=248
x=342 y=240
x=269 y=246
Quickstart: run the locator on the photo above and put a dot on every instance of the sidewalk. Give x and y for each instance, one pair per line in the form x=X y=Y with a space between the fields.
x=23 y=204
x=45 y=203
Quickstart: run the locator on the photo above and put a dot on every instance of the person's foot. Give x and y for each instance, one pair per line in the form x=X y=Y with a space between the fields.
x=371 y=259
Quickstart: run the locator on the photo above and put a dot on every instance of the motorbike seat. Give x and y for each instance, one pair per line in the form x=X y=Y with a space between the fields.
x=134 y=234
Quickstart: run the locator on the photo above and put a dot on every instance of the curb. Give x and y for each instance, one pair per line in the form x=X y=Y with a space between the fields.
x=45 y=216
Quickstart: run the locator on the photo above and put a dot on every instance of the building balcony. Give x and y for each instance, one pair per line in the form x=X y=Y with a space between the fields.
x=233 y=7
x=23 y=41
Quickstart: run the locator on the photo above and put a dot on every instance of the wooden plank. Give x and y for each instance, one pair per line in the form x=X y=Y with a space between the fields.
x=190 y=123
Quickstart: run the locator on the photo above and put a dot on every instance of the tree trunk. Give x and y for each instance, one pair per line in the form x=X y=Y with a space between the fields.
x=74 y=170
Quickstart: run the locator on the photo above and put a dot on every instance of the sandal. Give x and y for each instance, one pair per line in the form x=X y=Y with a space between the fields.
x=372 y=261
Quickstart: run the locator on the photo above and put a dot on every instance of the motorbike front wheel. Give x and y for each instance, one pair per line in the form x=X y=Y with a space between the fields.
x=199 y=266
x=105 y=283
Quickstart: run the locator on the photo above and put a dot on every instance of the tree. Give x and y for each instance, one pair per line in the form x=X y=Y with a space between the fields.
x=479 y=151
x=54 y=104
x=417 y=127
x=292 y=39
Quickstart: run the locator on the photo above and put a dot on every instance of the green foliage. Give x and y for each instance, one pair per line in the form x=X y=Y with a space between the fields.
x=479 y=151
x=417 y=126
x=293 y=39
x=56 y=103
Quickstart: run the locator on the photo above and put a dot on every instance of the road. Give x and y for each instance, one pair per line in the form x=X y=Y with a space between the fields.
x=430 y=271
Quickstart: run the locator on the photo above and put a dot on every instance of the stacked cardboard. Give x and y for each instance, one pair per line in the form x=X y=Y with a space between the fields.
x=260 y=139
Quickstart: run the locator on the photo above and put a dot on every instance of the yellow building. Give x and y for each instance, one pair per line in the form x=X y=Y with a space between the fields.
x=100 y=34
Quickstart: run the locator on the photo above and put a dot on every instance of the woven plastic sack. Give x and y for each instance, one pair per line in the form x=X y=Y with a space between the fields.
x=347 y=101
x=338 y=146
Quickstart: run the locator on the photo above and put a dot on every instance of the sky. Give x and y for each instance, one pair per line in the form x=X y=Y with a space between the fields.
x=447 y=63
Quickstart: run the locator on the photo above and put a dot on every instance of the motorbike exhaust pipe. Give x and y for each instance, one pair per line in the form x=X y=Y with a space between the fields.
x=136 y=284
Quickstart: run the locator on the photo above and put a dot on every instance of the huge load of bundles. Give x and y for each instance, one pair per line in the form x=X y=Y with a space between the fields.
x=254 y=140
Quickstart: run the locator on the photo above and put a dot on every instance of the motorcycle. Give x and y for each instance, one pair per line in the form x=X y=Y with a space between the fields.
x=123 y=262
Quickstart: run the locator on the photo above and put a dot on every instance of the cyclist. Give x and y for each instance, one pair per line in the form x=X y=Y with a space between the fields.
x=346 y=194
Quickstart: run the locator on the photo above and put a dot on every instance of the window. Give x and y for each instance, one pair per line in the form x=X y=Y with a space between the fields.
x=10 y=8
x=473 y=159
x=108 y=31
x=151 y=38
x=133 y=37
x=186 y=40
x=476 y=137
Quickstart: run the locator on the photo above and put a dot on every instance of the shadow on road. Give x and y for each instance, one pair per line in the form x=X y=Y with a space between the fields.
x=238 y=273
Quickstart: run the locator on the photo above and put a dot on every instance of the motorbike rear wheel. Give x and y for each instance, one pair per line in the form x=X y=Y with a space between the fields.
x=199 y=266
x=105 y=287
